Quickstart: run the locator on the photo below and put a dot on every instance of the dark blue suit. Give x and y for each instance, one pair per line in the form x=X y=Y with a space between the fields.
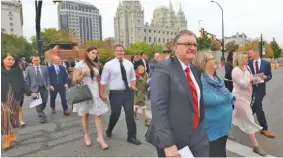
x=260 y=91
x=58 y=82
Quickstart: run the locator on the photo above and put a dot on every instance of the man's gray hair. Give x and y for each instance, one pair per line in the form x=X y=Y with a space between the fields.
x=182 y=33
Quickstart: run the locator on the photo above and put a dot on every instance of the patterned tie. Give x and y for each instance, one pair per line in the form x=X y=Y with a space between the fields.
x=39 y=77
x=256 y=67
x=195 y=98
x=124 y=75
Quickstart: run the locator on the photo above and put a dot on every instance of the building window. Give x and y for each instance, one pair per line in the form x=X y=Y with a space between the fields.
x=10 y=12
x=144 y=39
x=11 y=29
x=159 y=40
x=158 y=31
x=11 y=24
x=11 y=18
x=163 y=40
x=154 y=31
x=144 y=30
x=149 y=40
x=154 y=40
x=149 y=31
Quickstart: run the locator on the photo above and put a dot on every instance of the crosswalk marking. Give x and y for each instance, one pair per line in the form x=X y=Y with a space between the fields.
x=231 y=146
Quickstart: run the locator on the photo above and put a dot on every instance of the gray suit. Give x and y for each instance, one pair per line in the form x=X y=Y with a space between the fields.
x=32 y=82
x=172 y=110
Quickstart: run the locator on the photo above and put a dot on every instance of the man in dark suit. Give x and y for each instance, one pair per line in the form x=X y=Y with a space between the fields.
x=258 y=66
x=143 y=61
x=58 y=83
x=176 y=102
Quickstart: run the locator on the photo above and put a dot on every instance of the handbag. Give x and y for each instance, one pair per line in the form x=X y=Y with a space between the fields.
x=78 y=93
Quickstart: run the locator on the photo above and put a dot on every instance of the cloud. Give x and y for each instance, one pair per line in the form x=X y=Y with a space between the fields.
x=252 y=17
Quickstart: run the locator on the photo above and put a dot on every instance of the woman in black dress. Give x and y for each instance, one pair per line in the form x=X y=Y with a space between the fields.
x=228 y=71
x=13 y=87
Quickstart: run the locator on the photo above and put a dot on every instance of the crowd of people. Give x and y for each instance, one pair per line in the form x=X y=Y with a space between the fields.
x=191 y=105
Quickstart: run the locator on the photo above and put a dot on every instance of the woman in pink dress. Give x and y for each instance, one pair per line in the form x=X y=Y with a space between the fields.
x=242 y=90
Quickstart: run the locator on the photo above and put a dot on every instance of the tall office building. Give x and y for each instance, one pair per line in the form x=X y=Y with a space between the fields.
x=12 y=17
x=80 y=18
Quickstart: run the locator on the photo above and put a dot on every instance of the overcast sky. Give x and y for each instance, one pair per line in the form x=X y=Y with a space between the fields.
x=251 y=17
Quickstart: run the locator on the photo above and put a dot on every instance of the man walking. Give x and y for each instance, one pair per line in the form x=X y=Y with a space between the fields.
x=119 y=74
x=176 y=102
x=143 y=61
x=258 y=66
x=37 y=78
x=58 y=84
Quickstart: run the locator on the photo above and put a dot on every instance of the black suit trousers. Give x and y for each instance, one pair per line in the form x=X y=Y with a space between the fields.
x=125 y=99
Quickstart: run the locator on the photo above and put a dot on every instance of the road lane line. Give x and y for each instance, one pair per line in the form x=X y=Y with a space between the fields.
x=231 y=146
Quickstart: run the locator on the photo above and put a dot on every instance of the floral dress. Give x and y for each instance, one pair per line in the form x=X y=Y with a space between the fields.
x=96 y=106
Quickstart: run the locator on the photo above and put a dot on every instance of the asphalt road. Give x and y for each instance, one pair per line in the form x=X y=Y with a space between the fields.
x=62 y=136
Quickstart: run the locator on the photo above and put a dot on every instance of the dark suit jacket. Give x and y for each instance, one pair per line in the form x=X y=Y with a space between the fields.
x=62 y=78
x=172 y=110
x=266 y=69
x=140 y=62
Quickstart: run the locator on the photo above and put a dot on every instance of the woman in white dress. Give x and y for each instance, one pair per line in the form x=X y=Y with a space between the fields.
x=242 y=90
x=87 y=72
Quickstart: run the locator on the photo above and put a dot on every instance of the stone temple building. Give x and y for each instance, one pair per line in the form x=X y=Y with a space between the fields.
x=129 y=26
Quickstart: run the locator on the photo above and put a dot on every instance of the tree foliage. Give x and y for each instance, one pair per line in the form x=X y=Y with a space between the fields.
x=16 y=45
x=50 y=35
x=204 y=43
x=215 y=46
x=276 y=49
x=169 y=45
x=255 y=43
x=105 y=48
x=231 y=46
x=149 y=49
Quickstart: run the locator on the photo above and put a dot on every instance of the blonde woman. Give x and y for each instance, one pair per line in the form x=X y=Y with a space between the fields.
x=242 y=90
x=217 y=100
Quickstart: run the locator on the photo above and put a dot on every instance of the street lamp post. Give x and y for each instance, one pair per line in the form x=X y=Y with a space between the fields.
x=38 y=6
x=223 y=44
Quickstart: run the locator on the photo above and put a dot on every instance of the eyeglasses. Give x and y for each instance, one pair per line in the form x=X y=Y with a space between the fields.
x=188 y=44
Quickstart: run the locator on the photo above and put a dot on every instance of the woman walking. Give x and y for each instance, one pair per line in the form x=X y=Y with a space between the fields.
x=218 y=105
x=242 y=114
x=13 y=88
x=87 y=72
x=140 y=93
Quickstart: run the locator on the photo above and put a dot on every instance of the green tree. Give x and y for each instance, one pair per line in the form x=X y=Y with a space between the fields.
x=204 y=42
x=214 y=46
x=231 y=46
x=149 y=49
x=16 y=45
x=94 y=43
x=276 y=49
x=50 y=35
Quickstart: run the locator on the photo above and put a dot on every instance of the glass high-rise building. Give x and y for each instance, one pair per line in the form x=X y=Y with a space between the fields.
x=80 y=18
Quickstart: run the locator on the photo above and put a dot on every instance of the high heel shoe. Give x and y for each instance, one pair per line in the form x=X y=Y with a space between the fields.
x=103 y=146
x=87 y=140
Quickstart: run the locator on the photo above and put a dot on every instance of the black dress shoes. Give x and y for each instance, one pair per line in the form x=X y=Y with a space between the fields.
x=108 y=133
x=134 y=140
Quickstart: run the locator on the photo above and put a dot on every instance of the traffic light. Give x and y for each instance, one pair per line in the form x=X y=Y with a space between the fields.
x=201 y=32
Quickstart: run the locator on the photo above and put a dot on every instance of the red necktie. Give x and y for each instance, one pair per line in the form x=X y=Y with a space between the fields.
x=195 y=98
x=256 y=67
